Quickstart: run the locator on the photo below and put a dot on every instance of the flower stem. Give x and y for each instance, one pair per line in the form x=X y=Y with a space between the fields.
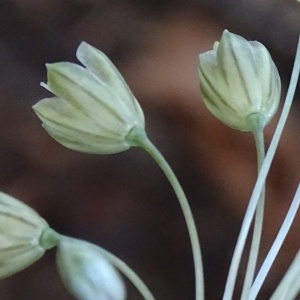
x=259 y=216
x=260 y=182
x=283 y=231
x=289 y=286
x=130 y=274
x=138 y=137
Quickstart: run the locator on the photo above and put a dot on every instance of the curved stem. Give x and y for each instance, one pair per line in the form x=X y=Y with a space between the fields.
x=138 y=137
x=259 y=216
x=261 y=181
x=130 y=274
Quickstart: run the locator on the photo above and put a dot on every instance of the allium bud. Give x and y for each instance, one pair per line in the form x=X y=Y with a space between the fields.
x=240 y=83
x=86 y=272
x=94 y=110
x=21 y=234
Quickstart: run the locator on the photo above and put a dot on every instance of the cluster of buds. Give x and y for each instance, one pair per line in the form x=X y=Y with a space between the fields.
x=94 y=111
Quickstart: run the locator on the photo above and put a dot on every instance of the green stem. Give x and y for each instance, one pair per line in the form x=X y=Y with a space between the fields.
x=272 y=254
x=260 y=182
x=259 y=216
x=138 y=137
x=130 y=274
x=289 y=286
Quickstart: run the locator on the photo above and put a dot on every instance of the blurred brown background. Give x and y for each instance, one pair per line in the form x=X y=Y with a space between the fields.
x=122 y=201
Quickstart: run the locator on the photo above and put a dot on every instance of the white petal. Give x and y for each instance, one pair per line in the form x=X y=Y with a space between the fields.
x=103 y=69
x=235 y=57
x=86 y=272
x=77 y=86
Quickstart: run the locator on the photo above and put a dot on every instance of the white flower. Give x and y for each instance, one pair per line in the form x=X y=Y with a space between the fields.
x=86 y=272
x=240 y=83
x=94 y=110
x=21 y=232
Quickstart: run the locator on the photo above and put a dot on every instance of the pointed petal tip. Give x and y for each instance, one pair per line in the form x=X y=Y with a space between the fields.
x=226 y=33
x=49 y=65
x=83 y=44
x=83 y=49
x=216 y=45
x=229 y=35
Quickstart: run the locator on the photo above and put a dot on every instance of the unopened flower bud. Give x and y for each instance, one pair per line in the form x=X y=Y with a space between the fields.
x=86 y=272
x=240 y=83
x=94 y=110
x=22 y=233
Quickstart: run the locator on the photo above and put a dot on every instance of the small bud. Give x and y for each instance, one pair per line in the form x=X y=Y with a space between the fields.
x=21 y=230
x=86 y=272
x=94 y=110
x=240 y=83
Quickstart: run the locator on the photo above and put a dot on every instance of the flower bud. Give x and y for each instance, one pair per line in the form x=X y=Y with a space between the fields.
x=94 y=110
x=21 y=232
x=86 y=272
x=240 y=83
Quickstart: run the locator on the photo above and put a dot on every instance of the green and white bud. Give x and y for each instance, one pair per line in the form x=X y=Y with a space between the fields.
x=94 y=109
x=240 y=83
x=86 y=272
x=24 y=236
